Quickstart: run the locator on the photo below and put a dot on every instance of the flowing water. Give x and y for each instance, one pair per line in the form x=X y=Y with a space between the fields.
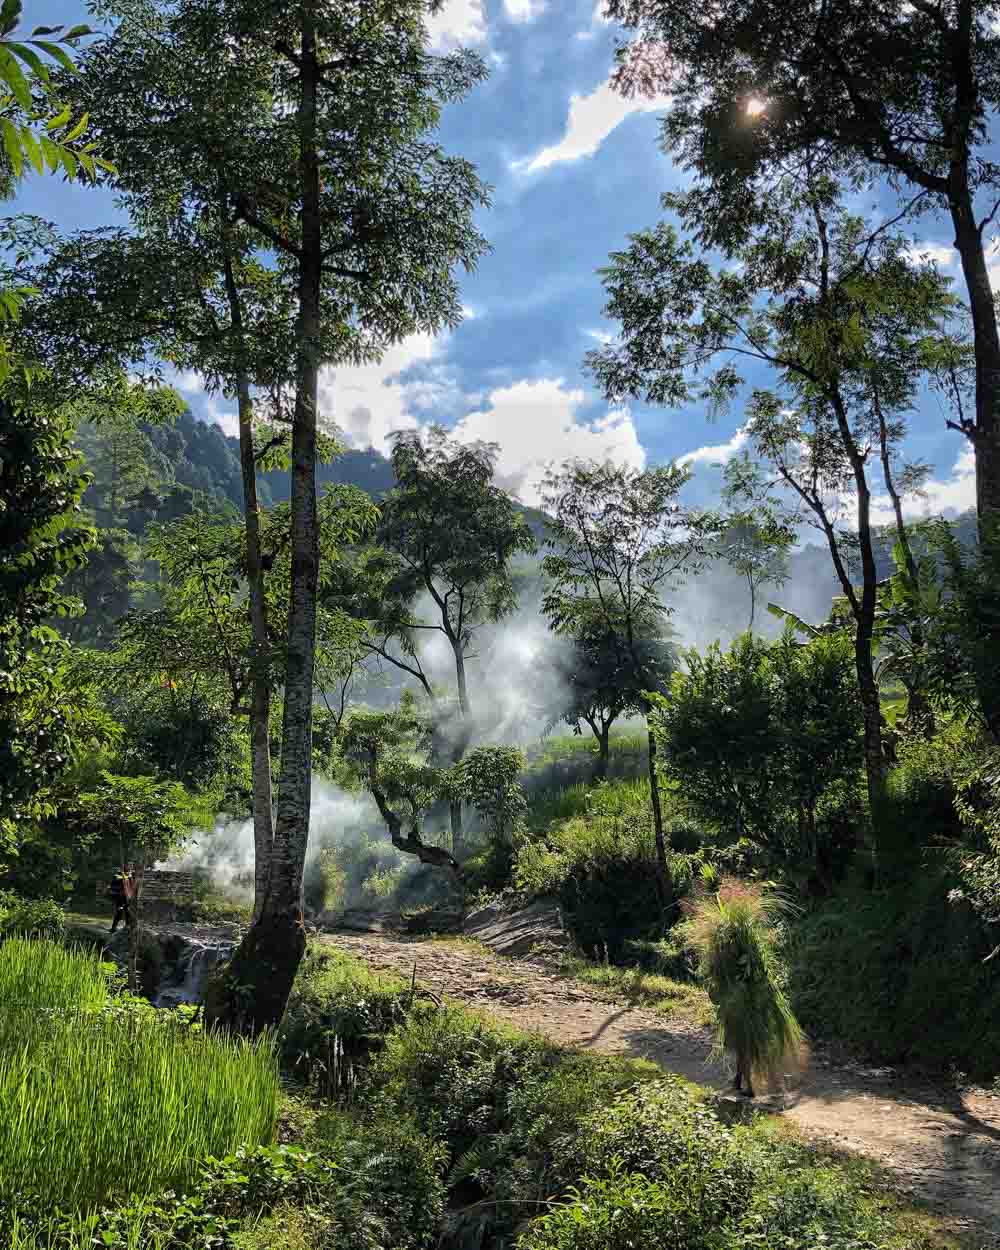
x=185 y=982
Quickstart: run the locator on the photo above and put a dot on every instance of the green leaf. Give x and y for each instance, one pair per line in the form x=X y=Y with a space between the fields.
x=57 y=54
x=12 y=145
x=12 y=74
x=32 y=60
x=78 y=129
x=70 y=163
x=10 y=15
x=60 y=119
x=51 y=152
x=34 y=152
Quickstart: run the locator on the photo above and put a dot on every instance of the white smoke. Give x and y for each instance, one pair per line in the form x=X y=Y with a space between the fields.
x=226 y=853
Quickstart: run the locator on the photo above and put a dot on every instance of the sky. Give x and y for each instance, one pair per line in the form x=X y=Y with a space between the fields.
x=574 y=169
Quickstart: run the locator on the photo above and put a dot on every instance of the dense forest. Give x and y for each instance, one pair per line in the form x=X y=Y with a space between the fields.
x=734 y=764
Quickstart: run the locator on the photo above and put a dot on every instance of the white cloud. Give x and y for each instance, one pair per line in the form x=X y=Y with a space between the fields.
x=458 y=23
x=602 y=336
x=591 y=119
x=368 y=402
x=939 y=496
x=523 y=10
x=942 y=254
x=536 y=423
x=596 y=22
x=191 y=384
x=716 y=454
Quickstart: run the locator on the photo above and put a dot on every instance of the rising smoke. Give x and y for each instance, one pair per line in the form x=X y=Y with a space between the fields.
x=503 y=687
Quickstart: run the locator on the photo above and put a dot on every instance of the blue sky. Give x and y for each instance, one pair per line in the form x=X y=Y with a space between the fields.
x=575 y=169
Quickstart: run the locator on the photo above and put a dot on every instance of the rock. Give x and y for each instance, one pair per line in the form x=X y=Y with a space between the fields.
x=536 y=926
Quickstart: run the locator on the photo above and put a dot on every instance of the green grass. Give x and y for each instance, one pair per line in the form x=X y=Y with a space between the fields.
x=45 y=974
x=97 y=1105
x=640 y=989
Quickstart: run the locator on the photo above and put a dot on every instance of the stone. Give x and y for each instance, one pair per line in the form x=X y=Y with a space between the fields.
x=535 y=927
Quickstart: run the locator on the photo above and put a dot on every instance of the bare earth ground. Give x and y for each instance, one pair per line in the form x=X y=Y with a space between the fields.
x=942 y=1145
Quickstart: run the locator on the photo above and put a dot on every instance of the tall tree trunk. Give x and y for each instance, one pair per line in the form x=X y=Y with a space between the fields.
x=919 y=713
x=260 y=693
x=460 y=746
x=258 y=980
x=663 y=882
x=604 y=751
x=984 y=433
x=135 y=926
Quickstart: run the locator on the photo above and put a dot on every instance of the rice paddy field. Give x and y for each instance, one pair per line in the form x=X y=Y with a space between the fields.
x=100 y=1102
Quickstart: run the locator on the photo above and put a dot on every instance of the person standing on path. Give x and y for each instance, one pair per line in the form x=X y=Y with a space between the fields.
x=122 y=893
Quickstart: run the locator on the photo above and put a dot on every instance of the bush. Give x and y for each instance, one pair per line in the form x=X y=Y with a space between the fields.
x=601 y=869
x=337 y=1018
x=662 y=1130
x=31 y=917
x=452 y=1072
x=622 y=1211
x=900 y=975
x=397 y=1172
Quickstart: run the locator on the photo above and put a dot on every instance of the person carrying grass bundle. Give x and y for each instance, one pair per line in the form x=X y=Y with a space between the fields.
x=732 y=933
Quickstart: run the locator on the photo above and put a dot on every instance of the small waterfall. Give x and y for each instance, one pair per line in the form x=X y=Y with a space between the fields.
x=197 y=961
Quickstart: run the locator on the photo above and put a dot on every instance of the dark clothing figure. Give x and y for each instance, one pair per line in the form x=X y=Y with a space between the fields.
x=120 y=900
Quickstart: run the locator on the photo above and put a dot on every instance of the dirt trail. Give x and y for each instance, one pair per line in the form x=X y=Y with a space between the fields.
x=942 y=1144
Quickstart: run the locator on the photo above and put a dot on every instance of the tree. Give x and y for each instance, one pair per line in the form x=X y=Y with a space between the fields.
x=149 y=818
x=618 y=541
x=42 y=538
x=449 y=532
x=585 y=678
x=901 y=91
x=846 y=324
x=311 y=146
x=390 y=753
x=717 y=733
x=757 y=540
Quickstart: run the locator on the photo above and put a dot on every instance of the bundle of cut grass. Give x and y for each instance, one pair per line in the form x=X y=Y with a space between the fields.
x=732 y=934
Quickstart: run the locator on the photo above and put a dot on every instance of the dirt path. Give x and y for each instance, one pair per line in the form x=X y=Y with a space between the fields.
x=943 y=1145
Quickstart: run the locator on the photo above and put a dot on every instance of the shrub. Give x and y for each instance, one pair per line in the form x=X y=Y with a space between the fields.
x=31 y=917
x=900 y=975
x=337 y=1018
x=732 y=934
x=452 y=1072
x=601 y=869
x=395 y=1170
x=664 y=1131
x=619 y=1211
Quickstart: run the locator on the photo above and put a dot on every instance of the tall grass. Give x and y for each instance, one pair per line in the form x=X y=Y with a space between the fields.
x=732 y=933
x=46 y=974
x=97 y=1105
